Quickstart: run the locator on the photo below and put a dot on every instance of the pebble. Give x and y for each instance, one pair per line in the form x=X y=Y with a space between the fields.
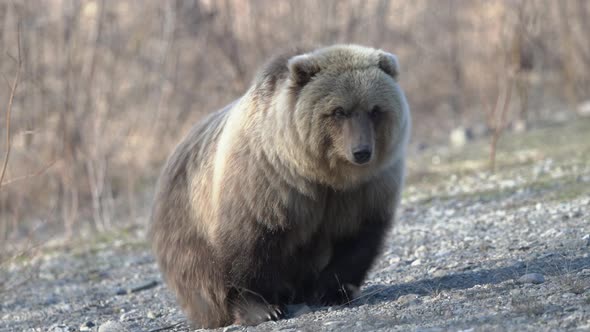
x=61 y=328
x=421 y=250
x=150 y=314
x=552 y=232
x=532 y=278
x=408 y=299
x=127 y=315
x=394 y=260
x=333 y=323
x=459 y=137
x=112 y=326
x=87 y=326
x=583 y=109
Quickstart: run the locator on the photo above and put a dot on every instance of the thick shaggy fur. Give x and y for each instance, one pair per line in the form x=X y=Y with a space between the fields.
x=264 y=204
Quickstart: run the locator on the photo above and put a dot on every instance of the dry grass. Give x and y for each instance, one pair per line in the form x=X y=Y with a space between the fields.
x=528 y=305
x=107 y=88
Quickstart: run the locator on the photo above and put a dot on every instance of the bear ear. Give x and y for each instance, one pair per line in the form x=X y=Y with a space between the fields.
x=302 y=68
x=389 y=64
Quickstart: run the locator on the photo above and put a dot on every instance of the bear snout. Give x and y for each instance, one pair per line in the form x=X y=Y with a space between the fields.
x=362 y=155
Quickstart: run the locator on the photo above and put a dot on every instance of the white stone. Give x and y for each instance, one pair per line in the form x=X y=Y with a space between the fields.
x=112 y=326
x=584 y=109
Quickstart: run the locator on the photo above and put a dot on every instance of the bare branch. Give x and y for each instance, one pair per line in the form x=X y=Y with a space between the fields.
x=12 y=57
x=9 y=107
x=498 y=118
x=31 y=175
x=6 y=80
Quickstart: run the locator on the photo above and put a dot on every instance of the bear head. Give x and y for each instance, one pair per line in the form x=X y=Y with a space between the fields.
x=348 y=109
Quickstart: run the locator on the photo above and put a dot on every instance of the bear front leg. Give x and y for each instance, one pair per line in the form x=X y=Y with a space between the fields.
x=340 y=281
x=255 y=274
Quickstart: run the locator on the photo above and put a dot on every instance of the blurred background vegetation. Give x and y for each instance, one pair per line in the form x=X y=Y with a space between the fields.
x=107 y=88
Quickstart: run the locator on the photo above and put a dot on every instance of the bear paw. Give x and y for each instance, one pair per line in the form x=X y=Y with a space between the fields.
x=254 y=313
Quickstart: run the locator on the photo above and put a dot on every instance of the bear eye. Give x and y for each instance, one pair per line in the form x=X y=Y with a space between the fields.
x=339 y=112
x=375 y=112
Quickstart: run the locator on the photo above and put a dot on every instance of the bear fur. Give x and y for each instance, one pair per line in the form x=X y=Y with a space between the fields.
x=285 y=195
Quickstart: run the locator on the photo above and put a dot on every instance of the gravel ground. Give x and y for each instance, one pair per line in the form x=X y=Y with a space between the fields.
x=471 y=251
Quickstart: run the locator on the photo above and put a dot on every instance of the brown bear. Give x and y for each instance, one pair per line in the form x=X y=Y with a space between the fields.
x=285 y=195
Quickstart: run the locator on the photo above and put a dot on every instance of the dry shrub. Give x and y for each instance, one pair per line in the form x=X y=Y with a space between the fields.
x=109 y=87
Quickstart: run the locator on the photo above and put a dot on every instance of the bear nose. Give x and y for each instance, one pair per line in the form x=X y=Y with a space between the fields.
x=362 y=156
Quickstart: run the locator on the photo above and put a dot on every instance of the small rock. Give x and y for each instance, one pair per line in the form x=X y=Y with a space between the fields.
x=127 y=315
x=416 y=262
x=421 y=250
x=333 y=323
x=439 y=273
x=449 y=212
x=87 y=326
x=467 y=330
x=408 y=299
x=151 y=315
x=394 y=260
x=584 y=109
x=61 y=328
x=459 y=137
x=112 y=326
x=532 y=278
x=551 y=232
